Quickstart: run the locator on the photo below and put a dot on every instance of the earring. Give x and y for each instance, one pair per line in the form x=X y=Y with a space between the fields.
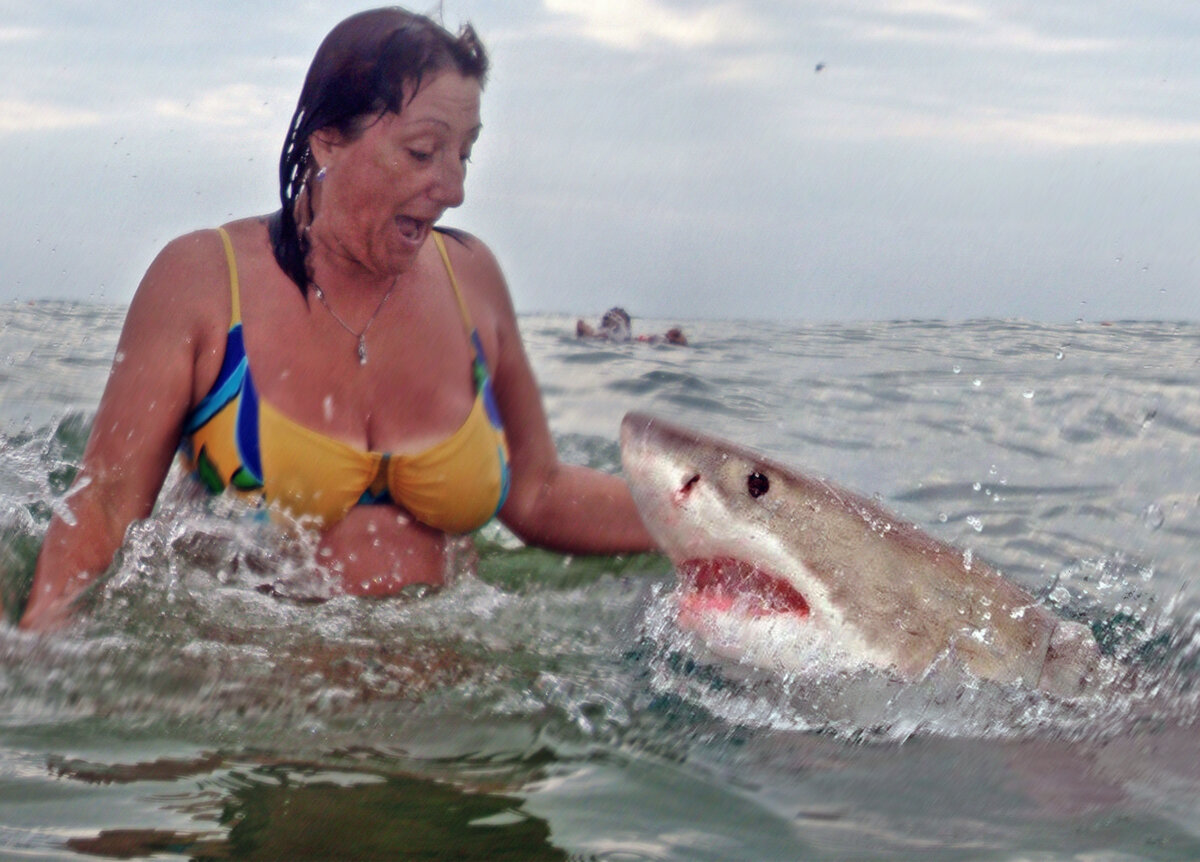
x=321 y=175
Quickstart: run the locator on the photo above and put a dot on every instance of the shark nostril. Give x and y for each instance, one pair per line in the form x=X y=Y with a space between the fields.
x=686 y=487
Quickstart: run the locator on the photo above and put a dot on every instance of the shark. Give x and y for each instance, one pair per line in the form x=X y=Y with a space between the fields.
x=791 y=571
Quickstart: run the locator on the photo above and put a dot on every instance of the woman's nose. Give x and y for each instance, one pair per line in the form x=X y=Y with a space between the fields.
x=450 y=182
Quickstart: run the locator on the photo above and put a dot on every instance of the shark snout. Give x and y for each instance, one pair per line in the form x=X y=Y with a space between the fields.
x=658 y=475
x=635 y=427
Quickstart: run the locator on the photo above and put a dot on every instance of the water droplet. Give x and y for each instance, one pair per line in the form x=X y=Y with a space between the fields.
x=1153 y=516
x=1060 y=354
x=975 y=523
x=943 y=517
x=957 y=369
x=1027 y=394
x=976 y=382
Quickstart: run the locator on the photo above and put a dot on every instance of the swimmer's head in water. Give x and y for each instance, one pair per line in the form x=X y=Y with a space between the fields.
x=370 y=64
x=616 y=324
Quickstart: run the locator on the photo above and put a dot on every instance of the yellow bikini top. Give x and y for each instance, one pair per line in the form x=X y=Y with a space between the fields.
x=233 y=439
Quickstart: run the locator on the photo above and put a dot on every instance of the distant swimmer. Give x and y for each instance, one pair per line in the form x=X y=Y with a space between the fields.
x=617 y=325
x=674 y=335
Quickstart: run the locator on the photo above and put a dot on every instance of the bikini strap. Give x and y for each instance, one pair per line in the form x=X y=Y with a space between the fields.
x=462 y=305
x=235 y=295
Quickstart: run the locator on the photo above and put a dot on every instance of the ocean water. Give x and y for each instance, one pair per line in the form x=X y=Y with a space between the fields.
x=547 y=707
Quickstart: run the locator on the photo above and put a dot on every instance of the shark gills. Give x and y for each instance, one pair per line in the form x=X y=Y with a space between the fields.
x=761 y=546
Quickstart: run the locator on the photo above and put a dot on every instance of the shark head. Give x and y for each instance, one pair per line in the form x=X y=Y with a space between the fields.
x=793 y=571
x=726 y=516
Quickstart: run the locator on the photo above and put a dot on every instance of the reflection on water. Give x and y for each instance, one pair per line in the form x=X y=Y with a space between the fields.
x=547 y=707
x=280 y=810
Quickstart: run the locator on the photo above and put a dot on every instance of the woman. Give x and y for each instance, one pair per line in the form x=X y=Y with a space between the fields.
x=342 y=359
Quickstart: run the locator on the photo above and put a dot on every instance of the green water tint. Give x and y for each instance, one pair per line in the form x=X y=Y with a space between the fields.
x=522 y=569
x=309 y=811
x=362 y=804
x=45 y=462
x=18 y=557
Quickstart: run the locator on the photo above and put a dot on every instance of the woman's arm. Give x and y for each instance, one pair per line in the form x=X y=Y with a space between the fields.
x=551 y=504
x=136 y=429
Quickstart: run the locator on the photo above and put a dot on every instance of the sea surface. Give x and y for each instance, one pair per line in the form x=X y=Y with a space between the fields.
x=548 y=707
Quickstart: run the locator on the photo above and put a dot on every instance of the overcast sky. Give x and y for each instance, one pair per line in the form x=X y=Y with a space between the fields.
x=779 y=159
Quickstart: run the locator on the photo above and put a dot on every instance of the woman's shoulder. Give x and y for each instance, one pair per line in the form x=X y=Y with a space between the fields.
x=475 y=266
x=468 y=248
x=199 y=254
x=486 y=292
x=248 y=234
x=188 y=281
x=191 y=259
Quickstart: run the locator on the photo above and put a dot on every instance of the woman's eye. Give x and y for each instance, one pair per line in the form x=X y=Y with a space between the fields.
x=420 y=155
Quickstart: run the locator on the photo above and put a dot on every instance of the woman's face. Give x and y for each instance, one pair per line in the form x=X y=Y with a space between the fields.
x=382 y=192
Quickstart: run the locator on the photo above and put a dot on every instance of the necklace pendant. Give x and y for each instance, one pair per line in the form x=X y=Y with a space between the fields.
x=362 y=350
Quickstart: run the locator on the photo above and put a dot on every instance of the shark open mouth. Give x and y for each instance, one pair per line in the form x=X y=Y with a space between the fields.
x=724 y=584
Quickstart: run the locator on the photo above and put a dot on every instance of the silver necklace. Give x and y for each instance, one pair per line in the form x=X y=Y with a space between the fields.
x=361 y=335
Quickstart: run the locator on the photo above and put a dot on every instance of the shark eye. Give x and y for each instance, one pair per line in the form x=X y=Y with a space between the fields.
x=757 y=484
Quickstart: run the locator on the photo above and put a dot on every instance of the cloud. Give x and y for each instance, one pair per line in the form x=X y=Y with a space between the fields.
x=1075 y=130
x=634 y=24
x=954 y=9
x=233 y=105
x=963 y=25
x=8 y=35
x=18 y=116
x=994 y=37
x=999 y=128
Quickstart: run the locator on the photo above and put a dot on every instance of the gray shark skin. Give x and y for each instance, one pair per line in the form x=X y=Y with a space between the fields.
x=758 y=544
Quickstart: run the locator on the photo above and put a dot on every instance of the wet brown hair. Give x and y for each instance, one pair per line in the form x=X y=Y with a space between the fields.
x=370 y=64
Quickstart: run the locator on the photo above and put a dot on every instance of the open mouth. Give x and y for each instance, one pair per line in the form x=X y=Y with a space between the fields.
x=411 y=229
x=725 y=584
